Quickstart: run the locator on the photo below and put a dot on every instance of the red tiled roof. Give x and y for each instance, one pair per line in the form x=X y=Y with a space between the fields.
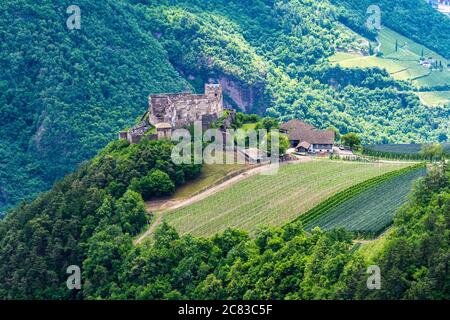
x=301 y=131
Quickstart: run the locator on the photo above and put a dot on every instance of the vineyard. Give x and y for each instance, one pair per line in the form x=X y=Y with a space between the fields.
x=273 y=200
x=367 y=208
x=396 y=148
x=399 y=151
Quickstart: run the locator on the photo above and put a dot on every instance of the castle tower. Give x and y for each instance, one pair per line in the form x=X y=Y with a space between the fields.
x=214 y=93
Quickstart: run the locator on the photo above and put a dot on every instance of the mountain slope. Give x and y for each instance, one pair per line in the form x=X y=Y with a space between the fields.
x=90 y=218
x=65 y=93
x=401 y=63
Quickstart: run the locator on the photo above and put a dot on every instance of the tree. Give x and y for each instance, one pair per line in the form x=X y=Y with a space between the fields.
x=131 y=212
x=165 y=235
x=157 y=183
x=432 y=151
x=351 y=140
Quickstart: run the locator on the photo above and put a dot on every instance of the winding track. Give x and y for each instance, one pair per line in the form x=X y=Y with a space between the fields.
x=169 y=205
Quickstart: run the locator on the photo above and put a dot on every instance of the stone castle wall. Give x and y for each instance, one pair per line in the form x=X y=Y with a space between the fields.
x=183 y=109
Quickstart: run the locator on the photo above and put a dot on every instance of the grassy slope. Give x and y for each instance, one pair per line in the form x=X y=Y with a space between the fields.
x=211 y=174
x=66 y=94
x=372 y=210
x=434 y=97
x=272 y=200
x=403 y=64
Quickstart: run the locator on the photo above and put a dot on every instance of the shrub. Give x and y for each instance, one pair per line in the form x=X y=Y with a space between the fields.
x=131 y=213
x=157 y=183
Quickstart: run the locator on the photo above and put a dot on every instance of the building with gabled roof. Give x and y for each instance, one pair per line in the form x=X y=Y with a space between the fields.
x=307 y=138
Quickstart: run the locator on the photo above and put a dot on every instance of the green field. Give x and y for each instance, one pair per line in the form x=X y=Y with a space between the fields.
x=402 y=64
x=433 y=98
x=211 y=175
x=371 y=211
x=273 y=200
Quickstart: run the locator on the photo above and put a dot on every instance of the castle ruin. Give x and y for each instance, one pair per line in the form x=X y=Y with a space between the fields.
x=177 y=110
x=183 y=109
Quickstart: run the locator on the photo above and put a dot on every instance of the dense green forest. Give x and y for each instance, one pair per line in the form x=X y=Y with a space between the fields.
x=39 y=240
x=90 y=218
x=66 y=93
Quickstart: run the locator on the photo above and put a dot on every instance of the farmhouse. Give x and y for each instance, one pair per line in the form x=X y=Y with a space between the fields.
x=442 y=6
x=307 y=138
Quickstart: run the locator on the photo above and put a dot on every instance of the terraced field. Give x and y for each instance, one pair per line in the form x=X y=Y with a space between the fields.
x=371 y=211
x=273 y=200
x=403 y=64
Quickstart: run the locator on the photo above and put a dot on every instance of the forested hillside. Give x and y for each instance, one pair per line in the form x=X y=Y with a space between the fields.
x=66 y=93
x=91 y=217
x=102 y=198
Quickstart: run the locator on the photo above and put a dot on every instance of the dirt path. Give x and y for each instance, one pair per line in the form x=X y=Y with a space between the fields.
x=369 y=241
x=168 y=205
x=400 y=162
x=149 y=230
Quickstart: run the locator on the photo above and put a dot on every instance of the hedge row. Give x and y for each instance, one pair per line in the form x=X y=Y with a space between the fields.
x=396 y=155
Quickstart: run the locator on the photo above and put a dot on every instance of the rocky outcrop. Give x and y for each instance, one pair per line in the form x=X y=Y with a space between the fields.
x=248 y=98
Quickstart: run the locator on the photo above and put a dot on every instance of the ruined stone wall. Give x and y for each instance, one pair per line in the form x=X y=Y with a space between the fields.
x=185 y=108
